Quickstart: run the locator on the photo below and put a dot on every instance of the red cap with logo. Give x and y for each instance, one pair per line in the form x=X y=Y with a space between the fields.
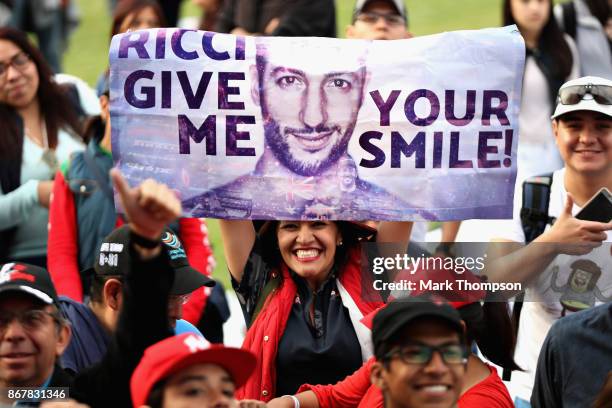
x=173 y=354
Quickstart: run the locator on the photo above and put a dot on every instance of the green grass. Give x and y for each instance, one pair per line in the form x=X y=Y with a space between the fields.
x=87 y=56
x=220 y=271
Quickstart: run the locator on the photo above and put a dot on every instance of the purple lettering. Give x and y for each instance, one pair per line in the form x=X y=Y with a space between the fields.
x=138 y=44
x=160 y=44
x=484 y=149
x=449 y=108
x=187 y=132
x=177 y=47
x=377 y=152
x=437 y=150
x=434 y=102
x=210 y=51
x=233 y=135
x=508 y=147
x=240 y=46
x=384 y=107
x=147 y=91
x=194 y=101
x=500 y=110
x=225 y=90
x=166 y=89
x=416 y=147
x=454 y=161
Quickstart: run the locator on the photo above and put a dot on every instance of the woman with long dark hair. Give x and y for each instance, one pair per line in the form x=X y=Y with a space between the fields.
x=551 y=60
x=303 y=295
x=39 y=128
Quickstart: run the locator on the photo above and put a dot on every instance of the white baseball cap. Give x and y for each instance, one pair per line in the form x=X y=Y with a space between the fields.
x=588 y=93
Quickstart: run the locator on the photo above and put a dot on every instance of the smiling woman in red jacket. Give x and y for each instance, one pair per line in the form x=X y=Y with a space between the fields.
x=300 y=287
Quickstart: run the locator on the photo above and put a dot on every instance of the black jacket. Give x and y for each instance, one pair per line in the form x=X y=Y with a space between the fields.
x=143 y=321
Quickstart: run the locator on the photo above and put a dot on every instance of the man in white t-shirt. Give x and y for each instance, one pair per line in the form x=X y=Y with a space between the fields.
x=569 y=266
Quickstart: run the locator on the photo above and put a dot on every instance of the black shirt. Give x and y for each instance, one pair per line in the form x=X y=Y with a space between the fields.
x=319 y=344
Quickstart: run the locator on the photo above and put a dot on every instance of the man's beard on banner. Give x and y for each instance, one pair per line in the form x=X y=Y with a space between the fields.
x=277 y=141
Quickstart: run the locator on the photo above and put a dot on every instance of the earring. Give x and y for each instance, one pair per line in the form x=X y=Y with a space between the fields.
x=340 y=243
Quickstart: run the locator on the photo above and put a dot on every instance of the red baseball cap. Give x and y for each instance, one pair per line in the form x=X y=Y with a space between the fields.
x=171 y=355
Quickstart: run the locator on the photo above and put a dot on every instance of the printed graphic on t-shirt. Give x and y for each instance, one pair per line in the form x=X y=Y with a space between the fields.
x=572 y=283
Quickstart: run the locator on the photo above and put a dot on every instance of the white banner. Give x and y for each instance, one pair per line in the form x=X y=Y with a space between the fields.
x=305 y=128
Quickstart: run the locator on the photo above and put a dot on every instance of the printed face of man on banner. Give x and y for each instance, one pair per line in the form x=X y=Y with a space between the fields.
x=310 y=99
x=309 y=104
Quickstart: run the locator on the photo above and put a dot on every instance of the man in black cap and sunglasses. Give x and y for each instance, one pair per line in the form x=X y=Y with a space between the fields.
x=421 y=355
x=566 y=268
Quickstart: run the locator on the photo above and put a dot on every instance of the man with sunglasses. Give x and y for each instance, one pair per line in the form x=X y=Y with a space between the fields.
x=567 y=267
x=96 y=320
x=379 y=20
x=420 y=351
x=420 y=360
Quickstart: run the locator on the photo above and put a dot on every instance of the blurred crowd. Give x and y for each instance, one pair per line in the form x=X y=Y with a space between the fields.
x=123 y=310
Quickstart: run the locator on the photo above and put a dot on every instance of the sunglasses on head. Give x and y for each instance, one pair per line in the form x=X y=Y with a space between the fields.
x=572 y=95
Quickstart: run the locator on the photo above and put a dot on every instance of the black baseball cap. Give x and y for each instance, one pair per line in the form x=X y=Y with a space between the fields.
x=399 y=5
x=29 y=279
x=113 y=259
x=398 y=313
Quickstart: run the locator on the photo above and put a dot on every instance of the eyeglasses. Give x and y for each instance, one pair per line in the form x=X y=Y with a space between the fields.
x=421 y=354
x=19 y=61
x=572 y=95
x=30 y=320
x=371 y=17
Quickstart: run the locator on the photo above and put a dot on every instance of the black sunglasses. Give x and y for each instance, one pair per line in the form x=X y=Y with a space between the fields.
x=572 y=95
x=417 y=353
